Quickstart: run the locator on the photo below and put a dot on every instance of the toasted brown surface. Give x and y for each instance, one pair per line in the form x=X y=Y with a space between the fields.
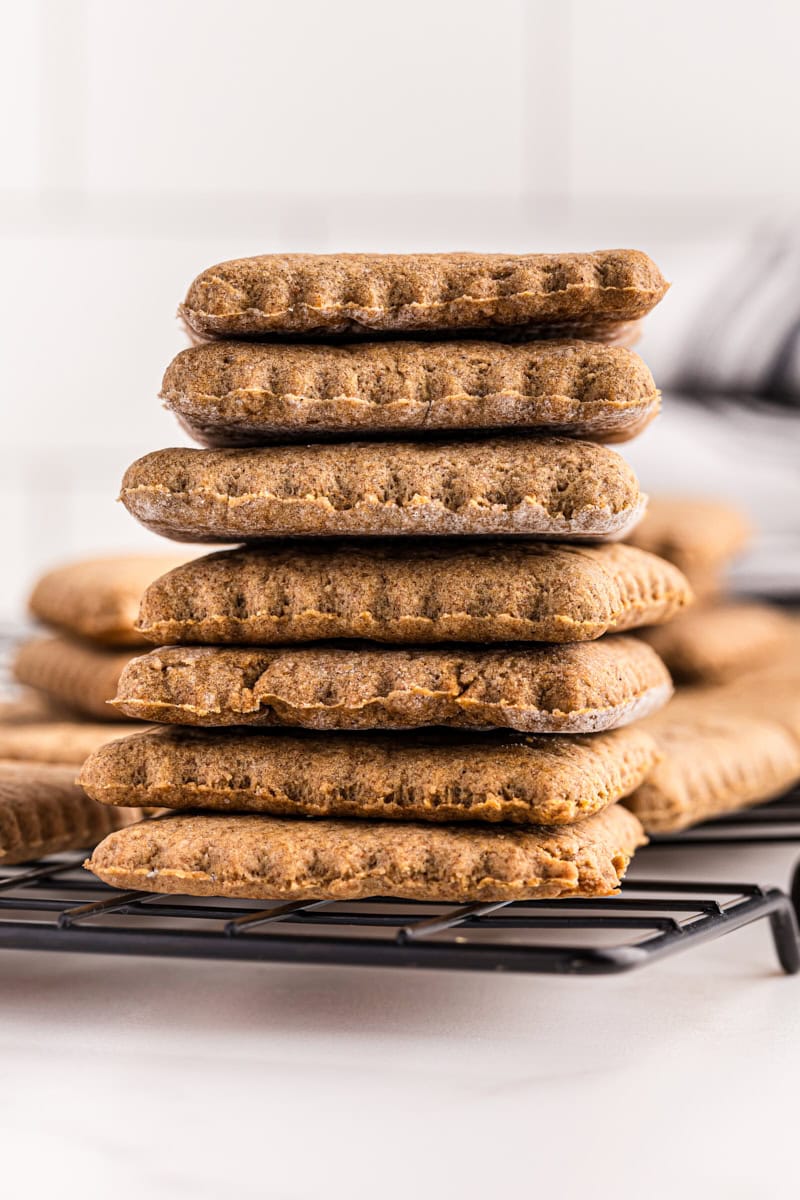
x=279 y=858
x=554 y=488
x=55 y=741
x=99 y=598
x=244 y=393
x=72 y=672
x=722 y=749
x=411 y=592
x=581 y=688
x=423 y=776
x=718 y=641
x=43 y=811
x=593 y=295
x=700 y=536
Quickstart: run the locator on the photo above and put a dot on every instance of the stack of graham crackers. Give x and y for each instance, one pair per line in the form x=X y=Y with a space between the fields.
x=404 y=649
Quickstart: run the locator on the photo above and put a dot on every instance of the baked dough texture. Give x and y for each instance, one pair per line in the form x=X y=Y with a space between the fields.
x=579 y=688
x=277 y=858
x=595 y=295
x=549 y=488
x=431 y=776
x=253 y=394
x=412 y=593
x=43 y=811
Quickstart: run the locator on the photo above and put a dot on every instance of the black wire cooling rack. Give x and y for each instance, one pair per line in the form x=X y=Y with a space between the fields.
x=55 y=905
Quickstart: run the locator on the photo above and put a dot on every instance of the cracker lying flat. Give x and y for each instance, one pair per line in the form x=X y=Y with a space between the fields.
x=428 y=776
x=580 y=688
x=722 y=751
x=553 y=488
x=593 y=295
x=55 y=741
x=699 y=536
x=278 y=858
x=771 y=687
x=99 y=598
x=43 y=811
x=719 y=641
x=71 y=672
x=27 y=706
x=428 y=592
x=240 y=393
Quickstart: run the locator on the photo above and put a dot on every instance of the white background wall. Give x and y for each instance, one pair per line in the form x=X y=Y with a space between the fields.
x=142 y=140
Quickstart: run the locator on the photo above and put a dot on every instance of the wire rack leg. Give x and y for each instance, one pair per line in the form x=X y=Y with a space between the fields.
x=794 y=890
x=783 y=922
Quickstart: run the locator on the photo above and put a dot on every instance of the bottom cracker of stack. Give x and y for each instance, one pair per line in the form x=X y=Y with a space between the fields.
x=263 y=857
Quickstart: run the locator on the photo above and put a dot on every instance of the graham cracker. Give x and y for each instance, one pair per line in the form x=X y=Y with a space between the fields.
x=99 y=598
x=252 y=394
x=548 y=488
x=578 y=688
x=411 y=592
x=436 y=777
x=55 y=741
x=43 y=811
x=716 y=642
x=722 y=750
x=699 y=536
x=82 y=676
x=263 y=857
x=295 y=296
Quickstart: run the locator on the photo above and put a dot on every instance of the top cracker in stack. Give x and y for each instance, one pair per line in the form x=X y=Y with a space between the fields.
x=489 y=368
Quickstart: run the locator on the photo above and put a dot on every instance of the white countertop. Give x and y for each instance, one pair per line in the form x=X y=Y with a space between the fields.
x=146 y=1078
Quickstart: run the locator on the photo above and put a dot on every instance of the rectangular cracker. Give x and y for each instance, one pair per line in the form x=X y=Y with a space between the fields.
x=275 y=858
x=56 y=741
x=411 y=592
x=595 y=295
x=43 y=811
x=436 y=777
x=249 y=394
x=82 y=676
x=722 y=750
x=699 y=536
x=580 y=688
x=99 y=598
x=716 y=642
x=549 y=488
